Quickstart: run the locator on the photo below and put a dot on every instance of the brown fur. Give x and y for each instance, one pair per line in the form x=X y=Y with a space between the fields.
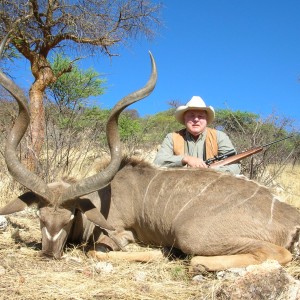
x=203 y=213
x=126 y=161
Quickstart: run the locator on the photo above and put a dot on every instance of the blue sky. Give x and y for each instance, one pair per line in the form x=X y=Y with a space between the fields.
x=237 y=54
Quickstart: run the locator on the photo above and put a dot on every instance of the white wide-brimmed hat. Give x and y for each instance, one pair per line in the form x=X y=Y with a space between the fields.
x=196 y=103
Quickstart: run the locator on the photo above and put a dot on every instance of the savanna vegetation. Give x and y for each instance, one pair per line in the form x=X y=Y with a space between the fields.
x=75 y=130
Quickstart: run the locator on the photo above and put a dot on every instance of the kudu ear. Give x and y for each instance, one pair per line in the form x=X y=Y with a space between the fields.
x=19 y=203
x=92 y=213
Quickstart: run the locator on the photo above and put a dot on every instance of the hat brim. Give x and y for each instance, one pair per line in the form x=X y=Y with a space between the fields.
x=180 y=111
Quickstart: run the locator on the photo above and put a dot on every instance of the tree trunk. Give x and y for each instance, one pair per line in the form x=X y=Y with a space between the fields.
x=37 y=124
x=43 y=78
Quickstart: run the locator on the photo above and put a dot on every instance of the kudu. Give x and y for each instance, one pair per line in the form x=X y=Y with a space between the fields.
x=65 y=213
x=222 y=220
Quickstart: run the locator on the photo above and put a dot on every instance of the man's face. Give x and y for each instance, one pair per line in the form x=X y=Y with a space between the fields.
x=195 y=121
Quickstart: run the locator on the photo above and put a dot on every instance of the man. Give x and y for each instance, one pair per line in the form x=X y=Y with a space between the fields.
x=195 y=143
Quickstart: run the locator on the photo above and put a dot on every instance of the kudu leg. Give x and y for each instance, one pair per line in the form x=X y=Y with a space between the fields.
x=106 y=250
x=267 y=252
x=143 y=256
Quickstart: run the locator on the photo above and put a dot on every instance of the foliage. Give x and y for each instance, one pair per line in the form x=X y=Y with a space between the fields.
x=95 y=117
x=234 y=121
x=8 y=55
x=129 y=128
x=158 y=125
x=73 y=89
x=248 y=130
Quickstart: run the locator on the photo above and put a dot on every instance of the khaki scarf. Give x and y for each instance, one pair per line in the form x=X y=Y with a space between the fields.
x=211 y=143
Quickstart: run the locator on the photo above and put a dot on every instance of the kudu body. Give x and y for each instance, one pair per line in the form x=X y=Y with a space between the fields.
x=222 y=220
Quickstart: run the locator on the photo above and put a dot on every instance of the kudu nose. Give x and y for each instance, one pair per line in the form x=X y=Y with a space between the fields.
x=52 y=255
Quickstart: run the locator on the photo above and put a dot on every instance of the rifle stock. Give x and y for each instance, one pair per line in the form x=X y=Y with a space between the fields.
x=236 y=158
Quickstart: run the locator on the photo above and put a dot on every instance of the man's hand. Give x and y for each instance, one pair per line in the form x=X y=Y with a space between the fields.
x=194 y=162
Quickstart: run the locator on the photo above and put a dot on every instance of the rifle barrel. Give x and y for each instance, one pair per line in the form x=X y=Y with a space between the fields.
x=274 y=142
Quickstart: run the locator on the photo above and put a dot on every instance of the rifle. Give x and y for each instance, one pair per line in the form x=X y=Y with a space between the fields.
x=232 y=157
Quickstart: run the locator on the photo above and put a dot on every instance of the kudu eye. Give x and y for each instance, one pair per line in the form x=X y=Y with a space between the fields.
x=67 y=221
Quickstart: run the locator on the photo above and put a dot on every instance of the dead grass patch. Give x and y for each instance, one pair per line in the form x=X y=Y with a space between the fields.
x=27 y=275
x=289 y=179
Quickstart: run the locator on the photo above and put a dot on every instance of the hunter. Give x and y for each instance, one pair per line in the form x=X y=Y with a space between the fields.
x=196 y=143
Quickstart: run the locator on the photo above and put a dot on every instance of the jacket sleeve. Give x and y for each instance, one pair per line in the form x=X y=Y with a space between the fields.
x=165 y=156
x=225 y=145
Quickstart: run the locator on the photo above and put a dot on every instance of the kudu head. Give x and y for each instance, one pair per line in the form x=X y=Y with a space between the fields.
x=58 y=202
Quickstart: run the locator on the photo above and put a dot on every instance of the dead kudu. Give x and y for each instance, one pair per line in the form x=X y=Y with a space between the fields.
x=65 y=213
x=222 y=220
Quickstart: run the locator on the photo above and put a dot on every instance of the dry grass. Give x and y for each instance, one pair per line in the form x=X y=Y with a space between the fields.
x=290 y=182
x=26 y=275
